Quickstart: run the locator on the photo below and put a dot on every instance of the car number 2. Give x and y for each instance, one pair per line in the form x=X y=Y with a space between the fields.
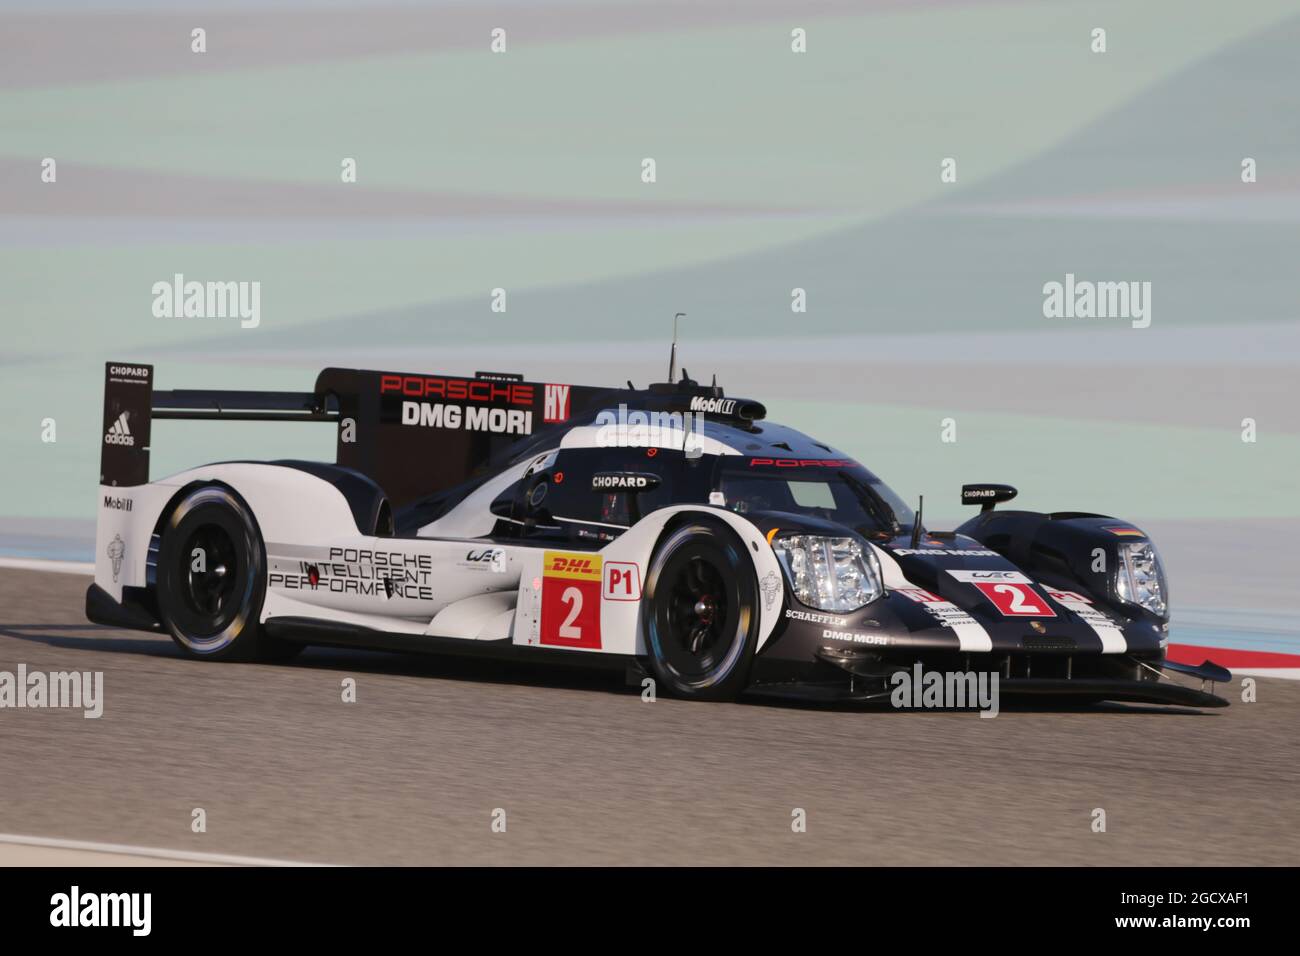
x=571 y=600
x=568 y=630
x=1016 y=600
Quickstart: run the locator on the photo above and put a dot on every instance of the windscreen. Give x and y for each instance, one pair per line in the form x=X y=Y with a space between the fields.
x=838 y=490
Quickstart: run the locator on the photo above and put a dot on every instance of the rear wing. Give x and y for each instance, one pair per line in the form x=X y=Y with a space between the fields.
x=413 y=434
x=131 y=404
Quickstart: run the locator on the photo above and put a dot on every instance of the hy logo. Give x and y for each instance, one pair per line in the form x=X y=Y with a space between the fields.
x=119 y=433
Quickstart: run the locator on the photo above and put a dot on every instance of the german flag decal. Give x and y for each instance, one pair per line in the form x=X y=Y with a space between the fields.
x=1126 y=532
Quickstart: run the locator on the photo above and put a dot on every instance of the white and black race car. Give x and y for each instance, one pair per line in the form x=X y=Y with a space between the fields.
x=670 y=530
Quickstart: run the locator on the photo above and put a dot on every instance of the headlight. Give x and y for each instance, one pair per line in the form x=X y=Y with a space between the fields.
x=830 y=574
x=1140 y=578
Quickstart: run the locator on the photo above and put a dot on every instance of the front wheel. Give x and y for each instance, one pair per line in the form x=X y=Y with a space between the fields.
x=701 y=612
x=212 y=579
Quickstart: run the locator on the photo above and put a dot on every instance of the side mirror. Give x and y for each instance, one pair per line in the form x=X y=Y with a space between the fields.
x=986 y=495
x=529 y=504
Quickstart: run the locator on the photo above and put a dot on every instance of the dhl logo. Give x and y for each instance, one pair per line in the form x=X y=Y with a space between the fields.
x=578 y=567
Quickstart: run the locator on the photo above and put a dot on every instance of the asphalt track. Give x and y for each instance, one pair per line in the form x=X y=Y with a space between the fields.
x=588 y=773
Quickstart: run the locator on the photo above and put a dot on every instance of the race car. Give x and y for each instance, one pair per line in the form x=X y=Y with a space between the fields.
x=671 y=531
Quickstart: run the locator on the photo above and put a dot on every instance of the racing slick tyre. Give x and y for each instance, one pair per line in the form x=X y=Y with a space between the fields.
x=701 y=612
x=212 y=579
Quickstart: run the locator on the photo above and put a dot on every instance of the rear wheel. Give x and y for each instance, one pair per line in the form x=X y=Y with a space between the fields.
x=701 y=612
x=212 y=579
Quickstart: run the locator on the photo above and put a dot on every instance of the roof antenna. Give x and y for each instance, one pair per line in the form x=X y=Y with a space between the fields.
x=916 y=525
x=672 y=356
x=717 y=392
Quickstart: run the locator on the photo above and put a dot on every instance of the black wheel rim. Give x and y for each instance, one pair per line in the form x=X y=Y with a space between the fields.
x=211 y=589
x=698 y=632
x=697 y=606
x=208 y=604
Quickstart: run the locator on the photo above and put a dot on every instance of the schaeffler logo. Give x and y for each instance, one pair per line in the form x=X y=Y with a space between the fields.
x=119 y=433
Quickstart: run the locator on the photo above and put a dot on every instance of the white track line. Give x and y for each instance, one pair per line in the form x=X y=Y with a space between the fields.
x=189 y=856
x=40 y=564
x=1282 y=673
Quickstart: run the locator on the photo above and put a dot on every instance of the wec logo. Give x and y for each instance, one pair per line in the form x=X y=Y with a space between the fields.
x=493 y=559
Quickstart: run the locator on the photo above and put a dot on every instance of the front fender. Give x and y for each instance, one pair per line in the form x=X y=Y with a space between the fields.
x=622 y=618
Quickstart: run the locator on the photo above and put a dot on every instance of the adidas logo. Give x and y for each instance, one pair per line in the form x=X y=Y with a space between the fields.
x=119 y=433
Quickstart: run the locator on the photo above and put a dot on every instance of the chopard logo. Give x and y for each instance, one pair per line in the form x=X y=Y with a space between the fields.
x=623 y=480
